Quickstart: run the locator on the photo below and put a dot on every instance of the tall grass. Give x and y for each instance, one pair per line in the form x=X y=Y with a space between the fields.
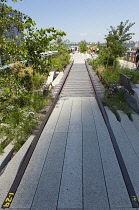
x=114 y=94
x=21 y=97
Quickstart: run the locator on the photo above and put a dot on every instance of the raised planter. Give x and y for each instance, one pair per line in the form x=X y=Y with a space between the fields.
x=6 y=156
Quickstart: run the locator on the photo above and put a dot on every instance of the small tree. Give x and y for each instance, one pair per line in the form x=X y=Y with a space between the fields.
x=39 y=41
x=9 y=43
x=116 y=38
x=83 y=46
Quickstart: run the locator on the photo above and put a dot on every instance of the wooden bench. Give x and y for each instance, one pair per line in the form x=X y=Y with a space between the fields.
x=124 y=81
x=133 y=90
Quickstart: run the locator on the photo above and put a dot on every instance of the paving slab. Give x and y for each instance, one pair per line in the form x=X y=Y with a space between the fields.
x=52 y=122
x=123 y=209
x=117 y=193
x=47 y=192
x=94 y=186
x=87 y=116
x=129 y=155
x=75 y=120
x=74 y=165
x=71 y=184
x=6 y=156
x=26 y=190
x=131 y=131
x=69 y=209
x=7 y=178
x=64 y=118
x=20 y=209
x=136 y=120
x=78 y=209
x=78 y=82
x=48 y=129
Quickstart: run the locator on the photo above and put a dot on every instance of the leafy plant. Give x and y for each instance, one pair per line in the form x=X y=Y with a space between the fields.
x=23 y=92
x=115 y=39
x=38 y=41
x=114 y=105
x=10 y=45
x=83 y=46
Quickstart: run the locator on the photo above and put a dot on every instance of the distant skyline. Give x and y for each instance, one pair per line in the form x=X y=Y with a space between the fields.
x=81 y=19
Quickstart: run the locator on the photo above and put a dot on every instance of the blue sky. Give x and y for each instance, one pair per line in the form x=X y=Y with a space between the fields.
x=81 y=19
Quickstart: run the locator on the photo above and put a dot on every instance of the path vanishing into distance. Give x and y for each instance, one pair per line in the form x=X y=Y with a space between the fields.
x=74 y=165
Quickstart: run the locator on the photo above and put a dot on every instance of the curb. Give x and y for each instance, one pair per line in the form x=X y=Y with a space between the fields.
x=6 y=156
x=8 y=151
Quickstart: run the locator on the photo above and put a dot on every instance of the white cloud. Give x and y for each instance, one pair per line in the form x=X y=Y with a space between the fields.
x=83 y=34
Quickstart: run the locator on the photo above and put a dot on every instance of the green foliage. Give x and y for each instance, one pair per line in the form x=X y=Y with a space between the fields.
x=110 y=74
x=95 y=63
x=38 y=41
x=23 y=92
x=21 y=96
x=114 y=96
x=114 y=45
x=115 y=39
x=133 y=75
x=115 y=99
x=61 y=59
x=56 y=63
x=113 y=91
x=120 y=34
x=33 y=41
x=105 y=56
x=114 y=105
x=83 y=46
x=9 y=44
x=1 y=149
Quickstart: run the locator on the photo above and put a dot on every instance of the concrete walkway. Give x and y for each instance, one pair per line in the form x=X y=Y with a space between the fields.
x=74 y=165
x=127 y=64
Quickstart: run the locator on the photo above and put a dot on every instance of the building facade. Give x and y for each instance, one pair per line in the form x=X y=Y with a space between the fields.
x=10 y=32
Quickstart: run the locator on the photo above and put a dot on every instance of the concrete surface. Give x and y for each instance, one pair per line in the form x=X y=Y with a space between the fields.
x=57 y=79
x=74 y=166
x=6 y=156
x=127 y=64
x=126 y=134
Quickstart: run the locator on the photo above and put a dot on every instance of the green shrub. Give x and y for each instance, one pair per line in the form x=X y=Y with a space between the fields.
x=96 y=63
x=56 y=63
x=133 y=75
x=23 y=95
x=111 y=76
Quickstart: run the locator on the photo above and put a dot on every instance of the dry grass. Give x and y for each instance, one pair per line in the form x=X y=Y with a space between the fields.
x=101 y=69
x=20 y=69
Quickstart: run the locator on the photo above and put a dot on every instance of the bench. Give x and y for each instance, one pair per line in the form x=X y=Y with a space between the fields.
x=124 y=81
x=133 y=91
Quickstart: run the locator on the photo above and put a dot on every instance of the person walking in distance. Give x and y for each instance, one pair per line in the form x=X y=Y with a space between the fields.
x=137 y=57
